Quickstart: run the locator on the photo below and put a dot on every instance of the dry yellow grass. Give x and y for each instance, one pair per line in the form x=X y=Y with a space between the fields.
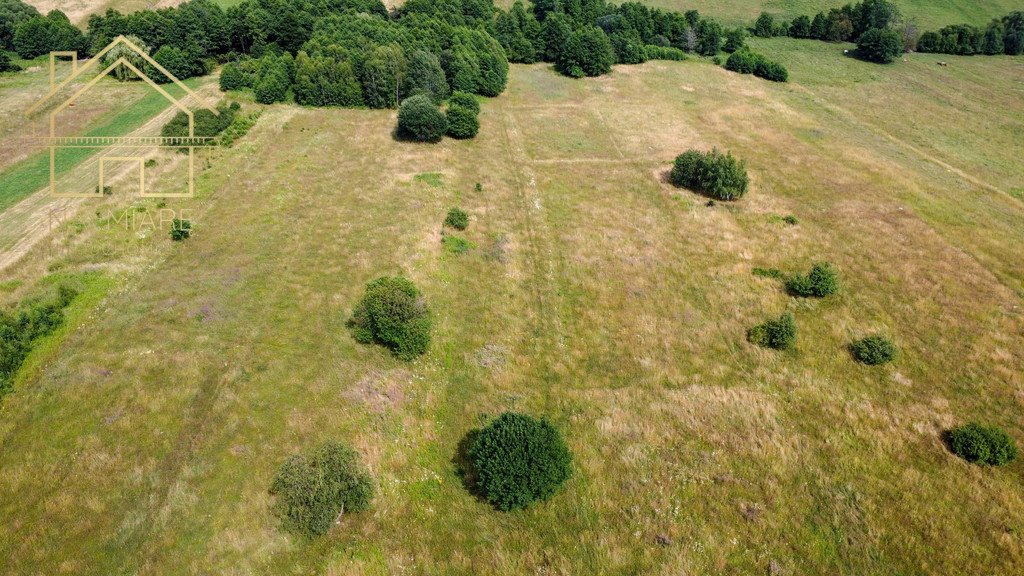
x=599 y=296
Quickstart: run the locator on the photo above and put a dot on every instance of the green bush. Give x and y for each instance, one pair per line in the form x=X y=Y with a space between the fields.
x=457 y=218
x=313 y=491
x=180 y=229
x=779 y=333
x=19 y=332
x=518 y=459
x=878 y=45
x=652 y=52
x=420 y=119
x=456 y=244
x=718 y=175
x=5 y=63
x=873 y=350
x=272 y=87
x=587 y=52
x=424 y=75
x=393 y=314
x=746 y=62
x=232 y=77
x=462 y=122
x=466 y=100
x=982 y=444
x=823 y=280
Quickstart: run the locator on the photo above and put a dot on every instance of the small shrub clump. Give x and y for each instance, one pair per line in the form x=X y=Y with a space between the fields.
x=314 y=491
x=466 y=100
x=393 y=314
x=718 y=175
x=873 y=350
x=778 y=333
x=457 y=218
x=745 y=61
x=518 y=459
x=880 y=45
x=180 y=229
x=823 y=280
x=19 y=332
x=982 y=444
x=420 y=119
x=456 y=244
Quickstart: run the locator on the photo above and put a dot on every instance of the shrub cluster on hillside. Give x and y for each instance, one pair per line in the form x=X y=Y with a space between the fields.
x=745 y=61
x=718 y=175
x=982 y=444
x=518 y=459
x=313 y=491
x=821 y=281
x=873 y=350
x=19 y=332
x=777 y=333
x=845 y=24
x=393 y=314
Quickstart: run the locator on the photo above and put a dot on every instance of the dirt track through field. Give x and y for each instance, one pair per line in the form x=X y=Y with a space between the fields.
x=28 y=222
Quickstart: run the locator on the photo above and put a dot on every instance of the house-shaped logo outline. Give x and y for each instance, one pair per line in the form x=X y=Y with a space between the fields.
x=55 y=142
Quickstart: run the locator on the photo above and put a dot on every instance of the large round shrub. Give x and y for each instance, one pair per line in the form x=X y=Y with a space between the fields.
x=419 y=118
x=778 y=333
x=823 y=280
x=873 y=350
x=393 y=314
x=313 y=491
x=982 y=444
x=462 y=122
x=518 y=459
x=878 y=45
x=718 y=175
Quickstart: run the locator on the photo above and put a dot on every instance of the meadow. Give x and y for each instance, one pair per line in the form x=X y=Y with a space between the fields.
x=144 y=441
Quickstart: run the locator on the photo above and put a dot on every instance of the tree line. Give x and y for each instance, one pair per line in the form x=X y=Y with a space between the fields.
x=887 y=25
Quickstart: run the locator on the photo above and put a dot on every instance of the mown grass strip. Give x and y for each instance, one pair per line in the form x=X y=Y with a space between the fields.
x=33 y=173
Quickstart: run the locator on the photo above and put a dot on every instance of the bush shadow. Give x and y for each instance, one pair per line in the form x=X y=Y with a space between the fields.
x=464 y=465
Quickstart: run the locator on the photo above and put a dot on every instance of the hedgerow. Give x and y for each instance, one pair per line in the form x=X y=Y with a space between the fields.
x=393 y=314
x=518 y=460
x=312 y=492
x=20 y=331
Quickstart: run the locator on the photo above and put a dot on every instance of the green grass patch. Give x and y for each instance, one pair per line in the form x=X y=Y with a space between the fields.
x=433 y=179
x=33 y=173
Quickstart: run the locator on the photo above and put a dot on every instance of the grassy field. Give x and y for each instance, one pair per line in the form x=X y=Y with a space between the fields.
x=598 y=296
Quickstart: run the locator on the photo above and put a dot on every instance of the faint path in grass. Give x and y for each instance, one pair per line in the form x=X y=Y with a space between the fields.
x=549 y=332
x=852 y=119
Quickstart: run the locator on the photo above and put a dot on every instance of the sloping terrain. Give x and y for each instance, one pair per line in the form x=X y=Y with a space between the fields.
x=598 y=296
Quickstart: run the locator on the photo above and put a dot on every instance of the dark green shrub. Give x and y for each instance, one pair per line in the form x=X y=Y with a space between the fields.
x=466 y=100
x=652 y=52
x=718 y=175
x=791 y=220
x=462 y=122
x=873 y=350
x=313 y=491
x=823 y=280
x=232 y=78
x=518 y=459
x=457 y=218
x=180 y=229
x=6 y=65
x=272 y=87
x=393 y=314
x=735 y=39
x=424 y=75
x=179 y=63
x=982 y=444
x=19 y=332
x=878 y=45
x=779 y=333
x=587 y=52
x=420 y=119
x=773 y=273
x=764 y=26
